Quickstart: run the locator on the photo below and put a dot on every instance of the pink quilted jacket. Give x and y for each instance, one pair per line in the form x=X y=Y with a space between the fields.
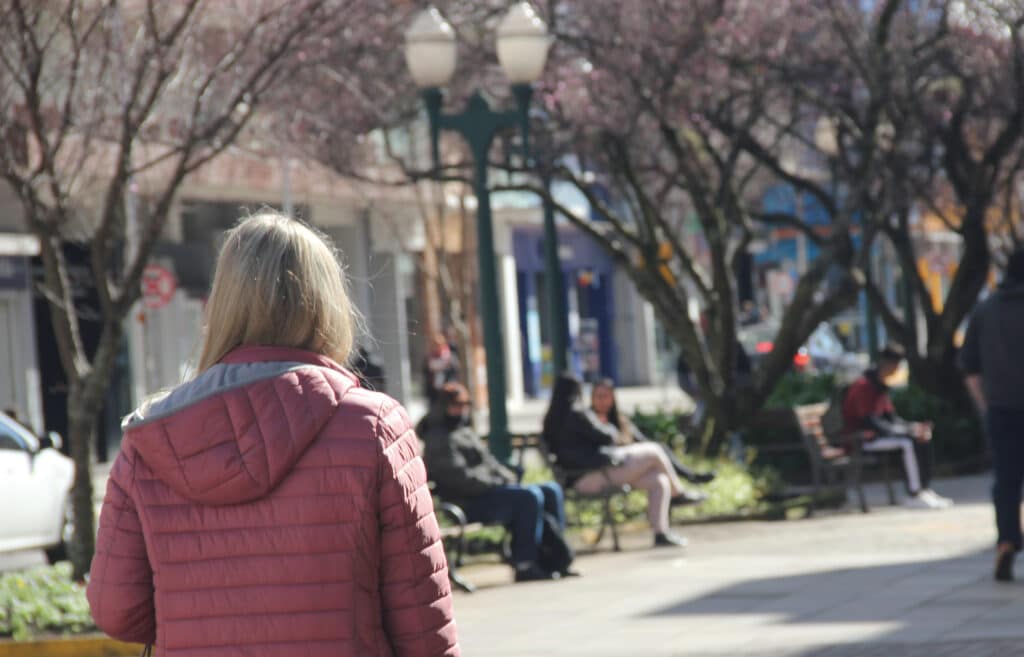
x=271 y=507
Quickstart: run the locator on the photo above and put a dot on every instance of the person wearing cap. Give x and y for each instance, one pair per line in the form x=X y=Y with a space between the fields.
x=466 y=473
x=991 y=359
x=868 y=410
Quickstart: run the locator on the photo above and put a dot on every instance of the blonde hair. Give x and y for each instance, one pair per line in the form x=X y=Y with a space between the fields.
x=278 y=283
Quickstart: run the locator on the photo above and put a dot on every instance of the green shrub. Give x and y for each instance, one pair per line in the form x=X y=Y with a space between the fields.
x=738 y=489
x=959 y=440
x=43 y=600
x=662 y=426
x=796 y=389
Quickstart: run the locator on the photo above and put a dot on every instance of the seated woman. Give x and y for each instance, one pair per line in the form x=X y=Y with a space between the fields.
x=592 y=456
x=604 y=410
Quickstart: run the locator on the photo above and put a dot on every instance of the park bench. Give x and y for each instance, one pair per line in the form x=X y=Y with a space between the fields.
x=605 y=496
x=833 y=455
x=458 y=527
x=456 y=533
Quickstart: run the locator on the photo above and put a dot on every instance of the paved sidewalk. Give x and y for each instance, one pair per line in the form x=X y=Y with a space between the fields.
x=892 y=582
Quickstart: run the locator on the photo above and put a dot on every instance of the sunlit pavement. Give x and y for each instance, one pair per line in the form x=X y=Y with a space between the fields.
x=892 y=582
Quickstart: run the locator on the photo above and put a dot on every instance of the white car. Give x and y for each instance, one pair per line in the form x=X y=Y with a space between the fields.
x=35 y=486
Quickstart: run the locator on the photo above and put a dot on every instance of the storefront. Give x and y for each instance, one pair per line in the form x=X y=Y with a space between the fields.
x=19 y=372
x=589 y=291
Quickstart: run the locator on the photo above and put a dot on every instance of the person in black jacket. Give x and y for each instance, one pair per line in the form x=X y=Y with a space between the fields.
x=466 y=473
x=991 y=361
x=594 y=455
x=604 y=410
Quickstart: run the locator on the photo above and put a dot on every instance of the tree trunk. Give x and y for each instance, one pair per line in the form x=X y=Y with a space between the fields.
x=82 y=413
x=720 y=420
x=430 y=284
x=85 y=403
x=936 y=370
x=940 y=375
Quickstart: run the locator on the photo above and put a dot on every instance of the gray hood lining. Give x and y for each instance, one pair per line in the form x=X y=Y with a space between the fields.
x=218 y=379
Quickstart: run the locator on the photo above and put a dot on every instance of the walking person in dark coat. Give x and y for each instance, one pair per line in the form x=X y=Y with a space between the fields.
x=991 y=358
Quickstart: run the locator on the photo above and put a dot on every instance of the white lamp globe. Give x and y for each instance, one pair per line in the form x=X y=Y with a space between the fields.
x=430 y=49
x=523 y=43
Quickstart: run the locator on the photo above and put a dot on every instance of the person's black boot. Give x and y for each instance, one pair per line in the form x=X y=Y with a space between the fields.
x=668 y=539
x=703 y=477
x=532 y=572
x=691 y=476
x=688 y=497
x=1005 y=554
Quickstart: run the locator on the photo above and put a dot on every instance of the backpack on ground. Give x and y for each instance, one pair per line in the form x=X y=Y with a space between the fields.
x=555 y=554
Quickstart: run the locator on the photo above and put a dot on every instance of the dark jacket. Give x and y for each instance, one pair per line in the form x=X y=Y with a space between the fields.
x=580 y=445
x=993 y=347
x=458 y=461
x=868 y=407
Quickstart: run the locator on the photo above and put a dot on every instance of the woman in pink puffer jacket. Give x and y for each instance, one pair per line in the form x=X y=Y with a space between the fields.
x=270 y=506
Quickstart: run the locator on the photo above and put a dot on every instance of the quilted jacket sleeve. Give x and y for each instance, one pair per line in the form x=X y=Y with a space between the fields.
x=415 y=592
x=120 y=587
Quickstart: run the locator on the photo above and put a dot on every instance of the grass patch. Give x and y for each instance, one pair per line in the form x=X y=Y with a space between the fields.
x=736 y=492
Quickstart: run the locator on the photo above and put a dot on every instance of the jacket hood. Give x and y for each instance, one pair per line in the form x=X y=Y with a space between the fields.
x=232 y=434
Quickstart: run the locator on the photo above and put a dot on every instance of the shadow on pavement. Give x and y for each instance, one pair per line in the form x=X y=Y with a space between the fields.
x=948 y=600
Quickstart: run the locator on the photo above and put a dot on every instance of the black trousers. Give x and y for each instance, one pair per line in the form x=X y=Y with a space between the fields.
x=1006 y=434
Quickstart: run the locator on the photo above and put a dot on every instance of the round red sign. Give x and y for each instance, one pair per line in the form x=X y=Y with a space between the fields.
x=158 y=286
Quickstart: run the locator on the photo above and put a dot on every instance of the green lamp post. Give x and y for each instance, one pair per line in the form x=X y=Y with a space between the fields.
x=556 y=306
x=430 y=50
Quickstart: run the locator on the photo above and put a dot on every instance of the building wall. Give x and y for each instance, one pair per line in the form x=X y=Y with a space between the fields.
x=12 y=215
x=374 y=229
x=19 y=369
x=598 y=296
x=634 y=322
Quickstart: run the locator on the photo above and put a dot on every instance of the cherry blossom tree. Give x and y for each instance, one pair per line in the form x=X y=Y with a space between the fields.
x=675 y=120
x=930 y=95
x=98 y=99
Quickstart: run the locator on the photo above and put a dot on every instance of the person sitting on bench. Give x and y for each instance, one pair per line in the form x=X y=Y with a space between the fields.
x=466 y=473
x=590 y=453
x=868 y=409
x=605 y=410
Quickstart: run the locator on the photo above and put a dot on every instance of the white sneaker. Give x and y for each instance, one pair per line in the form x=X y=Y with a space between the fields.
x=919 y=501
x=940 y=501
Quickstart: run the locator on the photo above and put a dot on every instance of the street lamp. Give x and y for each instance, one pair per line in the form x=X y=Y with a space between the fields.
x=556 y=307
x=430 y=52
